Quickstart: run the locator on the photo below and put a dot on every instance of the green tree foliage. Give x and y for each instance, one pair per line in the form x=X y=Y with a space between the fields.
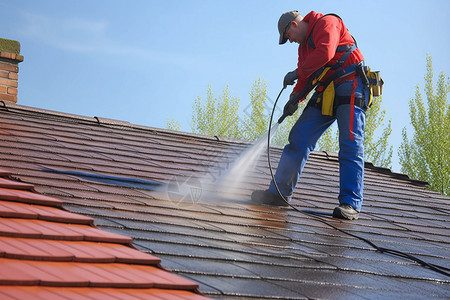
x=220 y=116
x=329 y=141
x=173 y=124
x=255 y=118
x=426 y=155
x=216 y=116
x=376 y=136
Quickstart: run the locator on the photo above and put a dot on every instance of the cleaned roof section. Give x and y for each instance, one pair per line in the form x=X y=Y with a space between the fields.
x=48 y=251
x=231 y=248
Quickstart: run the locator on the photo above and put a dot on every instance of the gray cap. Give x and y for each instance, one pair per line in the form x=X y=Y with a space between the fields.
x=283 y=23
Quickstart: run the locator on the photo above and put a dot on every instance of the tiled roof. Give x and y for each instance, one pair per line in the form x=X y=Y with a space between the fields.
x=44 y=248
x=46 y=251
x=108 y=171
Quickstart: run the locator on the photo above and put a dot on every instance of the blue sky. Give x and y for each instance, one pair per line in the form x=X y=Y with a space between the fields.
x=147 y=61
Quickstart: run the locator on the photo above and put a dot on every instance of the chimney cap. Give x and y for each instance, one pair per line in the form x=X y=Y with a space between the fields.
x=10 y=46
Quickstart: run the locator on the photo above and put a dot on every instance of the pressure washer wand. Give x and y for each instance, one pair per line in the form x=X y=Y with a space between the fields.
x=281 y=119
x=292 y=103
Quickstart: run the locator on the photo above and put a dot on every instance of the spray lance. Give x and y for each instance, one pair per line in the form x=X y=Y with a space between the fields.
x=291 y=106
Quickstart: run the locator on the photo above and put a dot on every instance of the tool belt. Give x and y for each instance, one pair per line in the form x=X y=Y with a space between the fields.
x=325 y=99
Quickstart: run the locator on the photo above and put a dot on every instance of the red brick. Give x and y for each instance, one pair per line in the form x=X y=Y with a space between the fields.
x=14 y=76
x=12 y=91
x=9 y=67
x=3 y=89
x=7 y=82
x=5 y=54
x=7 y=97
x=5 y=74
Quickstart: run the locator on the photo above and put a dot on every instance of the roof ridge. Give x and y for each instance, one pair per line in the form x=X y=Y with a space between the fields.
x=113 y=122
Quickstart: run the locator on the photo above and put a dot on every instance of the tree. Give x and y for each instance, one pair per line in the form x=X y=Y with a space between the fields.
x=426 y=155
x=173 y=124
x=377 y=150
x=221 y=117
x=216 y=117
x=256 y=121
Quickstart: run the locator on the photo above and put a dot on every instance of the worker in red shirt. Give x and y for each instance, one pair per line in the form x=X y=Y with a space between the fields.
x=326 y=51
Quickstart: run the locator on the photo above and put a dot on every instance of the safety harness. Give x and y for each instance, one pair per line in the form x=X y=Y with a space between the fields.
x=324 y=96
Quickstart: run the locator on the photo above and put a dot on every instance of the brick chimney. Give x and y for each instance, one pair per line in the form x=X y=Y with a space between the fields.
x=9 y=69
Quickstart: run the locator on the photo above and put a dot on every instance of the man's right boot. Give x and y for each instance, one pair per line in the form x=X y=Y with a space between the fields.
x=268 y=198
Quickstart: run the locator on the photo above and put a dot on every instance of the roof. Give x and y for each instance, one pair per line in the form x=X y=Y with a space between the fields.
x=46 y=251
x=147 y=184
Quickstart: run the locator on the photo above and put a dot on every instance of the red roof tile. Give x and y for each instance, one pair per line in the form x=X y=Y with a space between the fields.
x=51 y=250
x=43 y=247
x=26 y=211
x=50 y=230
x=49 y=273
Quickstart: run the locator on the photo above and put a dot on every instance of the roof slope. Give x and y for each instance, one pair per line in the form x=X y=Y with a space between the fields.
x=46 y=251
x=110 y=170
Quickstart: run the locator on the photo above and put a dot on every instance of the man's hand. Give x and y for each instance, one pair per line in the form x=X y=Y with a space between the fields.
x=292 y=105
x=290 y=78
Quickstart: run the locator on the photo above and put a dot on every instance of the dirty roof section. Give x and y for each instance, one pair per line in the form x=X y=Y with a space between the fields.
x=159 y=187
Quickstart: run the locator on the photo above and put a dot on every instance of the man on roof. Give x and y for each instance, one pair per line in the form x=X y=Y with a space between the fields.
x=330 y=62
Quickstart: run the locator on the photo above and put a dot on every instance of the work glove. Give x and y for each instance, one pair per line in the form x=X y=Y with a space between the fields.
x=290 y=78
x=292 y=105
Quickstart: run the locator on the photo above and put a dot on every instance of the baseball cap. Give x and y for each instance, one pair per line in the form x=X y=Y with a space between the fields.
x=283 y=23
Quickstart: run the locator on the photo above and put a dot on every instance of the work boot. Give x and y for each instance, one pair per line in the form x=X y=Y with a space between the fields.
x=268 y=198
x=346 y=211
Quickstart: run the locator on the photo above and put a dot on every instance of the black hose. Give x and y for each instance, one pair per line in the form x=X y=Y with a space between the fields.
x=280 y=120
x=436 y=268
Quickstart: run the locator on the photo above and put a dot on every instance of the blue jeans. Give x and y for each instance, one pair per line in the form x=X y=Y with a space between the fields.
x=302 y=140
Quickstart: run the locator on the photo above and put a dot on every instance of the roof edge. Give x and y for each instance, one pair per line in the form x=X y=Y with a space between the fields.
x=9 y=106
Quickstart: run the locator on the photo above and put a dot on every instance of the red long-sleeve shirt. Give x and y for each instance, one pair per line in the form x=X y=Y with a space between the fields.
x=329 y=33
